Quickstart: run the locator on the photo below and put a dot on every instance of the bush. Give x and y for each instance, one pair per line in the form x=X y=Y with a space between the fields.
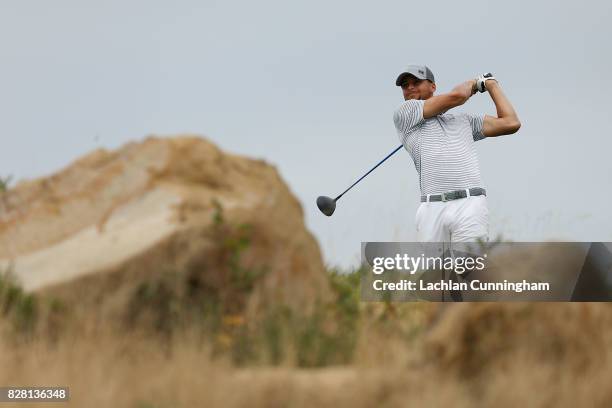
x=19 y=308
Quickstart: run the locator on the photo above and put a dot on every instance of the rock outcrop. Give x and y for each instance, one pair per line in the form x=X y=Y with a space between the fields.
x=152 y=205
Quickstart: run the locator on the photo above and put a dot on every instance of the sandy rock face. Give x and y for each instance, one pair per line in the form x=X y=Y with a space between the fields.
x=110 y=209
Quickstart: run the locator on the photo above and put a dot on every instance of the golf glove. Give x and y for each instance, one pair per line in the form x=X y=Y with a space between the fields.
x=480 y=81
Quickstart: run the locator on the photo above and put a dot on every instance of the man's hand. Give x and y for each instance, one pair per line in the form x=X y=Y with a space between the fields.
x=482 y=80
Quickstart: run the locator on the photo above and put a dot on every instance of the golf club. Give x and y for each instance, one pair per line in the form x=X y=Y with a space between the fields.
x=327 y=205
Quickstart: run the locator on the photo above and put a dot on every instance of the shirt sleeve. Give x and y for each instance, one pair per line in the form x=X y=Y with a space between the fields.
x=476 y=122
x=408 y=115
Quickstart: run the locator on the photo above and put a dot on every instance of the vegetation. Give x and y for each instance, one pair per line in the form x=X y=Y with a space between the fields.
x=214 y=304
x=19 y=308
x=4 y=183
x=389 y=352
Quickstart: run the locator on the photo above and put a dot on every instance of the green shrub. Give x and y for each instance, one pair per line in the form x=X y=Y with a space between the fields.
x=19 y=308
x=4 y=183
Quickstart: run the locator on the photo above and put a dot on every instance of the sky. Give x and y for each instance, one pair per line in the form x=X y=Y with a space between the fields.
x=309 y=87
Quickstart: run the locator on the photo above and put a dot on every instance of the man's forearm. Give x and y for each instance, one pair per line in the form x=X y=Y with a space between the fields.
x=464 y=91
x=502 y=104
x=439 y=104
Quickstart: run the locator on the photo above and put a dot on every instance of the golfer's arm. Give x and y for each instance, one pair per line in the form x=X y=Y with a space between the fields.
x=437 y=105
x=506 y=122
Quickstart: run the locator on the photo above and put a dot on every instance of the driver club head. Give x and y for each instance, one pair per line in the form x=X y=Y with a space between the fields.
x=327 y=205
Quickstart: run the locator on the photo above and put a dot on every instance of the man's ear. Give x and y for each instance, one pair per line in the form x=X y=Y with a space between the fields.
x=433 y=87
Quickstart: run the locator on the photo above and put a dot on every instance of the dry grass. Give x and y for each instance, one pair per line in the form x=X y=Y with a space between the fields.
x=464 y=355
x=185 y=337
x=154 y=346
x=105 y=370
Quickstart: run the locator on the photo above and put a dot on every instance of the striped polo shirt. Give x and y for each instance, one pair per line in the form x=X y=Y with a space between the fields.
x=442 y=147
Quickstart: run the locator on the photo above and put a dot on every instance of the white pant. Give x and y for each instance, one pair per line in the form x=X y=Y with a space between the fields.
x=461 y=220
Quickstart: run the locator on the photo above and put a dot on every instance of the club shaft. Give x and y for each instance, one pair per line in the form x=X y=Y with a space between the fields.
x=371 y=170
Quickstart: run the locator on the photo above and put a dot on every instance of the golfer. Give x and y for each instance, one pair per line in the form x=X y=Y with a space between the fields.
x=453 y=198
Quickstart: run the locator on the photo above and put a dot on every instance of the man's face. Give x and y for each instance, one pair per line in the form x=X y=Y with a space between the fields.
x=414 y=88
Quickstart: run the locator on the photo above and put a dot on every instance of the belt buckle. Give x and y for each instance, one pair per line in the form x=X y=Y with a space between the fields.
x=443 y=196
